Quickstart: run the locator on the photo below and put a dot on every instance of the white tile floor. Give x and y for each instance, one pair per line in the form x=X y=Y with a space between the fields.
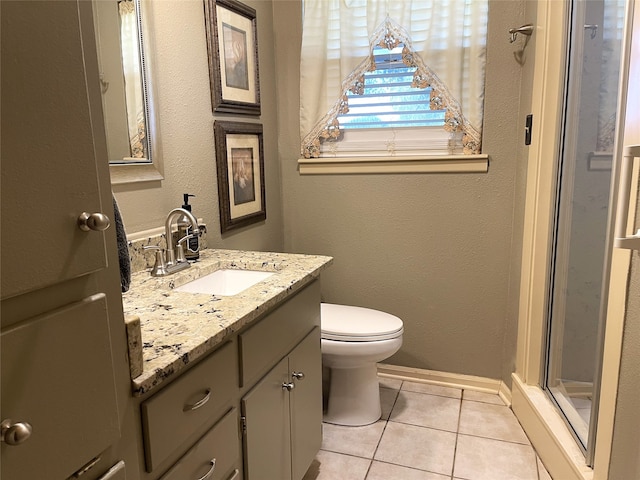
x=429 y=432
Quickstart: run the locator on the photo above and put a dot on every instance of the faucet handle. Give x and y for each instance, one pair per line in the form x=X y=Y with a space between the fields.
x=185 y=238
x=180 y=256
x=160 y=267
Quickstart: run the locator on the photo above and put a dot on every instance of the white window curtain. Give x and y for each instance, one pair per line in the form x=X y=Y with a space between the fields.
x=132 y=77
x=448 y=35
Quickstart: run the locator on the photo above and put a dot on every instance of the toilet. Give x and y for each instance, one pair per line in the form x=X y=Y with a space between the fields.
x=354 y=339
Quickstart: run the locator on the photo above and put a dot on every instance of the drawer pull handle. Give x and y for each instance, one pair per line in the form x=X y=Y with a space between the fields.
x=298 y=375
x=207 y=475
x=199 y=403
x=236 y=472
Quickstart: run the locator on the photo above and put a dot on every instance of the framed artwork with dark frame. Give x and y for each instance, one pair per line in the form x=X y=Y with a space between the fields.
x=232 y=46
x=240 y=165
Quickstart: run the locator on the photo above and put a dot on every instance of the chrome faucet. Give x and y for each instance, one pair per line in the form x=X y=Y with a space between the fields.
x=171 y=249
x=173 y=259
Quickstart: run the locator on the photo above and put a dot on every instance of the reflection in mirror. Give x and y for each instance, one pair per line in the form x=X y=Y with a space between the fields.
x=126 y=90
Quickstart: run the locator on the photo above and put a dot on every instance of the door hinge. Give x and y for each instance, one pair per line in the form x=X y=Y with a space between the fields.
x=243 y=425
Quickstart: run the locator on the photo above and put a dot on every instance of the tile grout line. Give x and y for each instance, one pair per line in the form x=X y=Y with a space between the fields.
x=462 y=400
x=455 y=448
x=386 y=422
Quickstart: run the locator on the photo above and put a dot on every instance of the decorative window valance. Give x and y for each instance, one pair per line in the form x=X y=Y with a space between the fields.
x=446 y=49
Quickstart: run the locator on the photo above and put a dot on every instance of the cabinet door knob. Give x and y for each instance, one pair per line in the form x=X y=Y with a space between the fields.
x=288 y=386
x=15 y=433
x=298 y=375
x=97 y=222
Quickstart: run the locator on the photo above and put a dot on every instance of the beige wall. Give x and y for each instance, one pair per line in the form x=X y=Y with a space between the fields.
x=439 y=250
x=525 y=55
x=625 y=451
x=434 y=249
x=186 y=127
x=625 y=461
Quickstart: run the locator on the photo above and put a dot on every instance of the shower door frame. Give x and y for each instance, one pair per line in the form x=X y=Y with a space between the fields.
x=565 y=188
x=567 y=149
x=546 y=428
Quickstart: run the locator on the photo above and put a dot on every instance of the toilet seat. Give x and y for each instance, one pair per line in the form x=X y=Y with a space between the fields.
x=357 y=324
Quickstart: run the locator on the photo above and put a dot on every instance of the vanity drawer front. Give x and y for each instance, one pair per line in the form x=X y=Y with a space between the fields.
x=220 y=445
x=264 y=344
x=190 y=404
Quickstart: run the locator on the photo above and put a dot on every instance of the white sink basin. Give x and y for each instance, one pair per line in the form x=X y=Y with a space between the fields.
x=225 y=282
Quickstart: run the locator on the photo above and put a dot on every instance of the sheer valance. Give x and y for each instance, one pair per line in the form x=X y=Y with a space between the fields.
x=444 y=41
x=132 y=78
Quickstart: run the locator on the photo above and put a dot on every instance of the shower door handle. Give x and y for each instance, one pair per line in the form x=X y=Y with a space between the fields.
x=631 y=242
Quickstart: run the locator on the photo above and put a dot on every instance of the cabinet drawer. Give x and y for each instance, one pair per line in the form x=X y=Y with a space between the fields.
x=217 y=452
x=190 y=404
x=264 y=344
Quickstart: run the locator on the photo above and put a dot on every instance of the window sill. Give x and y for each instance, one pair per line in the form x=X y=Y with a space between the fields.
x=395 y=164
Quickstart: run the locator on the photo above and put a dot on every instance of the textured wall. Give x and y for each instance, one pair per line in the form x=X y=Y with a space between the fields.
x=186 y=128
x=439 y=250
x=434 y=249
x=625 y=458
x=625 y=461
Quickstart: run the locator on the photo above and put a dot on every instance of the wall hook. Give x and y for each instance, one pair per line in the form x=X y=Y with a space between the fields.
x=594 y=30
x=525 y=30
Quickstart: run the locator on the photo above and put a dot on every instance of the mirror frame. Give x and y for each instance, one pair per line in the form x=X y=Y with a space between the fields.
x=132 y=172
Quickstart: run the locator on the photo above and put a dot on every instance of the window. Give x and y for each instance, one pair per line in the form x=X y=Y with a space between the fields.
x=398 y=89
x=388 y=98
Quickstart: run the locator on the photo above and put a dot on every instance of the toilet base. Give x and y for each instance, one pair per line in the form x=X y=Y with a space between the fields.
x=354 y=396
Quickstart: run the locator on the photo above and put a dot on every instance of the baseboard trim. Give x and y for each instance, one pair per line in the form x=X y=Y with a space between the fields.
x=505 y=393
x=445 y=379
x=548 y=433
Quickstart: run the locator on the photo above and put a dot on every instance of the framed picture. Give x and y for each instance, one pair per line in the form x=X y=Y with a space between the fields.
x=232 y=46
x=240 y=164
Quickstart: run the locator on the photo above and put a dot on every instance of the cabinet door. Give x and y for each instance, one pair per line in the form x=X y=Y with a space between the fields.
x=267 y=439
x=306 y=403
x=49 y=170
x=57 y=376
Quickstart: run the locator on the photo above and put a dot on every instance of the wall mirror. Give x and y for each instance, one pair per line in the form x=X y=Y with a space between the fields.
x=123 y=47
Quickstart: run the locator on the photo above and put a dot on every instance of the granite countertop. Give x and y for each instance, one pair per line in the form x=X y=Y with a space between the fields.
x=178 y=327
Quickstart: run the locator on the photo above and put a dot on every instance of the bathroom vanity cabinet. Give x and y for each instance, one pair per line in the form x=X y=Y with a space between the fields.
x=282 y=413
x=283 y=416
x=251 y=409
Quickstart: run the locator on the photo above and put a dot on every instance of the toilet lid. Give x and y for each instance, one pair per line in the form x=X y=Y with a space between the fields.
x=358 y=324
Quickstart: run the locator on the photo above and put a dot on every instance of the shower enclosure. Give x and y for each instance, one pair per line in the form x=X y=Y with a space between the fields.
x=579 y=263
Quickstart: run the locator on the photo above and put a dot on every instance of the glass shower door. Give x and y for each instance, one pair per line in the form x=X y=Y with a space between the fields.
x=577 y=283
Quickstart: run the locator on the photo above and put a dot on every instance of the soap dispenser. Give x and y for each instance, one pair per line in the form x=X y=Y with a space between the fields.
x=192 y=250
